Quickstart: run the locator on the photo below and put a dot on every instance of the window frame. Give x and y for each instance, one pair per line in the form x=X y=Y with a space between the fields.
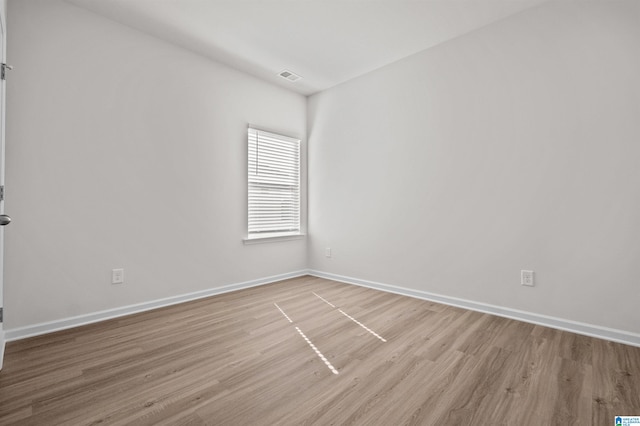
x=273 y=235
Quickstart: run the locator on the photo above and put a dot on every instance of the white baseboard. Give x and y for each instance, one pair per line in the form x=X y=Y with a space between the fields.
x=611 y=334
x=614 y=335
x=63 y=324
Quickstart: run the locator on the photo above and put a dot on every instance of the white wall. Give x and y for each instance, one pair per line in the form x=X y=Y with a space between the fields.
x=513 y=147
x=516 y=146
x=126 y=152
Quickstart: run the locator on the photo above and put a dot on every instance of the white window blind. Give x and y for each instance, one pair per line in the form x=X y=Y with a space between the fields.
x=274 y=184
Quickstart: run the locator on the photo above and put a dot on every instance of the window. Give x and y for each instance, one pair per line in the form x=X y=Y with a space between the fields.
x=274 y=185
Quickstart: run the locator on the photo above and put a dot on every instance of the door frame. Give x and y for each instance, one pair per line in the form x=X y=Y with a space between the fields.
x=3 y=59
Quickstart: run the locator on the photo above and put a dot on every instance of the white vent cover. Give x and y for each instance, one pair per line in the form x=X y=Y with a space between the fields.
x=289 y=75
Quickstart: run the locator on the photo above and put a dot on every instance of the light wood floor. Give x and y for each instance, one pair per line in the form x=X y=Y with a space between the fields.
x=235 y=359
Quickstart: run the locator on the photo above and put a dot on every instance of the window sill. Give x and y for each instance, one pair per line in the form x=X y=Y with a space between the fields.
x=285 y=236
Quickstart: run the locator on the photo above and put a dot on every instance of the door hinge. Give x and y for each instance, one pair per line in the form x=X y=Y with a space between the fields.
x=1 y=192
x=1 y=309
x=3 y=71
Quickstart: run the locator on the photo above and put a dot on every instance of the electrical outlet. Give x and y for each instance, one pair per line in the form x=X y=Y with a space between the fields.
x=327 y=252
x=117 y=276
x=526 y=278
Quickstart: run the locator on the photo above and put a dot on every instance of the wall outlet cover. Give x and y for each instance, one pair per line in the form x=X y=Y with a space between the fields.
x=526 y=278
x=117 y=276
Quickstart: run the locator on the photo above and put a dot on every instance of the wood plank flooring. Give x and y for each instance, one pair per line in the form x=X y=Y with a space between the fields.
x=235 y=359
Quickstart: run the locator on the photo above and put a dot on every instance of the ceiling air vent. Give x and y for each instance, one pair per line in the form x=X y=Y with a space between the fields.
x=289 y=75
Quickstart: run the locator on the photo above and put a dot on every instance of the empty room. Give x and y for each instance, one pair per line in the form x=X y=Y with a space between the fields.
x=320 y=212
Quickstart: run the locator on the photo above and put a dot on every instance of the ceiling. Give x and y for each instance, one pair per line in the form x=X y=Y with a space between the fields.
x=326 y=42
